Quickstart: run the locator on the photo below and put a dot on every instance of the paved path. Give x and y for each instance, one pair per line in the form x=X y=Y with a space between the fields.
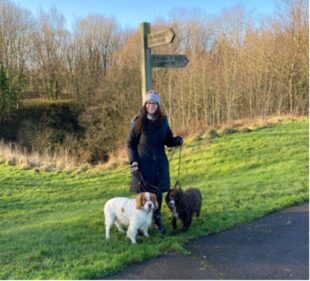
x=274 y=247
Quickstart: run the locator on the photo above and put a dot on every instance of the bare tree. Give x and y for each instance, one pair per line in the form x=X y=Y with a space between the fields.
x=94 y=41
x=16 y=29
x=50 y=44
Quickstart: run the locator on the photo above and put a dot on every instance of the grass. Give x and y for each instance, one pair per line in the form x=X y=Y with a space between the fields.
x=51 y=222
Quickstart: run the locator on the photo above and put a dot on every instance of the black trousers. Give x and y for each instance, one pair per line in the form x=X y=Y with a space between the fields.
x=159 y=197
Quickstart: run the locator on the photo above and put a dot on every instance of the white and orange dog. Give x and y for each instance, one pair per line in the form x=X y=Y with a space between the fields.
x=136 y=213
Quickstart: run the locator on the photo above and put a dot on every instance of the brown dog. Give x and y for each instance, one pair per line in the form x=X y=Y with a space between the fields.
x=184 y=205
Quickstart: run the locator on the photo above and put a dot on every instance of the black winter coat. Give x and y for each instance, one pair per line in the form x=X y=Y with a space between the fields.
x=148 y=149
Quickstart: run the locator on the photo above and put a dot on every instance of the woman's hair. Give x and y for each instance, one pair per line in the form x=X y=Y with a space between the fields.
x=142 y=119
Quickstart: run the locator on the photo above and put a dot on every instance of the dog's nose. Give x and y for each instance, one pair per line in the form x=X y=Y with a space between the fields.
x=150 y=205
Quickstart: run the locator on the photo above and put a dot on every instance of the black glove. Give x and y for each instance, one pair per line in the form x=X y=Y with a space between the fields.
x=178 y=140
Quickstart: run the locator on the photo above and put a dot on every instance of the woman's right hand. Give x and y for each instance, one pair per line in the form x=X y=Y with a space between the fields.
x=134 y=167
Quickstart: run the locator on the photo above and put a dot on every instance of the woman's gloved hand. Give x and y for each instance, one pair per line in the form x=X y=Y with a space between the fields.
x=134 y=167
x=178 y=140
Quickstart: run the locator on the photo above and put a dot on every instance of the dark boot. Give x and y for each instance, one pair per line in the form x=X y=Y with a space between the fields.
x=158 y=223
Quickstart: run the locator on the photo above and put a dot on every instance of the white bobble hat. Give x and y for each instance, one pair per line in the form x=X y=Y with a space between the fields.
x=152 y=95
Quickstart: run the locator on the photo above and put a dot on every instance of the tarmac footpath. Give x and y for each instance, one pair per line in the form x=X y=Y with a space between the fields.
x=274 y=247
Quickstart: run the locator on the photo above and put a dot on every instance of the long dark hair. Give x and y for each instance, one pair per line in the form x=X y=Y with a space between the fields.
x=159 y=116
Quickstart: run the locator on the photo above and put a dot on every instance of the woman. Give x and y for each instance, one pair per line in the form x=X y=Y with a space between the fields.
x=149 y=133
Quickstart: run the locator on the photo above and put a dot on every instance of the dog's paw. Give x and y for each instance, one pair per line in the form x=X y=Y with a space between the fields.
x=133 y=240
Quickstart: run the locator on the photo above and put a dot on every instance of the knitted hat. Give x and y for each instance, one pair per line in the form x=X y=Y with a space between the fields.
x=152 y=95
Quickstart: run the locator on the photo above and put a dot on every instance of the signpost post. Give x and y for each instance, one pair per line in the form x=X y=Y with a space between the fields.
x=146 y=70
x=152 y=39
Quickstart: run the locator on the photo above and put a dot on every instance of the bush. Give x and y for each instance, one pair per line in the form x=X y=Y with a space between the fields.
x=245 y=130
x=212 y=134
x=229 y=131
x=86 y=134
x=102 y=130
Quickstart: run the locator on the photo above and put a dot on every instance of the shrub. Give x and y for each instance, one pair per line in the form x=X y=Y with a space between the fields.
x=229 y=131
x=212 y=134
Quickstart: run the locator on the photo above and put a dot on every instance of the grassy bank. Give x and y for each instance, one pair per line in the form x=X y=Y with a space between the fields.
x=51 y=222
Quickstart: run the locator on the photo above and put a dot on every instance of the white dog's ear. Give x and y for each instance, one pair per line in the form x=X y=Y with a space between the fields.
x=139 y=200
x=154 y=200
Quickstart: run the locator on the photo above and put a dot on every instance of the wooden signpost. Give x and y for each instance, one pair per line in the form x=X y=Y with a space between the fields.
x=152 y=39
x=169 y=60
x=161 y=37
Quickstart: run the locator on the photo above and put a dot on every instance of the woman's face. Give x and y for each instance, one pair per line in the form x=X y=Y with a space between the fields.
x=151 y=107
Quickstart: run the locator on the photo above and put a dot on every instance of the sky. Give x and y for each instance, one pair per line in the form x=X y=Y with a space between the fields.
x=130 y=13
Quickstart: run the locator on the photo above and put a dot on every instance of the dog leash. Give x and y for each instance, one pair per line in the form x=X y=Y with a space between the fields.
x=180 y=155
x=142 y=184
x=179 y=165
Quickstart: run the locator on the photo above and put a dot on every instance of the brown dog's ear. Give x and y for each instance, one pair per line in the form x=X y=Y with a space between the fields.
x=139 y=200
x=154 y=200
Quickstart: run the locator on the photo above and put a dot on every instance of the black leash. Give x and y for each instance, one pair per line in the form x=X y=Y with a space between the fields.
x=179 y=165
x=180 y=154
x=145 y=186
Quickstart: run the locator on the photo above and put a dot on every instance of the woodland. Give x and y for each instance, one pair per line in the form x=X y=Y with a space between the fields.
x=77 y=89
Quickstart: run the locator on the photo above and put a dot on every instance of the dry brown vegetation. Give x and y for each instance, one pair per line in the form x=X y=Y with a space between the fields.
x=48 y=162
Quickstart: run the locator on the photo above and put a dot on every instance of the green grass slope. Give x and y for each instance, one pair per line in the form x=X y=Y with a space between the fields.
x=52 y=223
